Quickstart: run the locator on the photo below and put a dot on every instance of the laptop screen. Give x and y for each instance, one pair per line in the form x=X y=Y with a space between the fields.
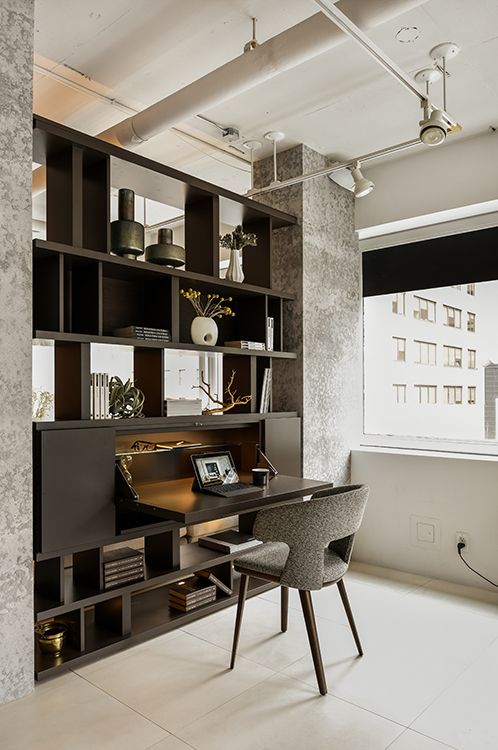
x=214 y=469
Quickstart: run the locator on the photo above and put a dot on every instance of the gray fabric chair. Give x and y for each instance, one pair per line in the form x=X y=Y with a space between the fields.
x=307 y=546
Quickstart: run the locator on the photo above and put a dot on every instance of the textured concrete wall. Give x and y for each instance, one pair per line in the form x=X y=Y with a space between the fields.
x=319 y=261
x=16 y=612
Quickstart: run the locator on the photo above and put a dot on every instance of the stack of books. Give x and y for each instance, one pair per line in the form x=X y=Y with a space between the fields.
x=99 y=395
x=182 y=407
x=190 y=594
x=143 y=332
x=258 y=345
x=229 y=541
x=264 y=404
x=121 y=566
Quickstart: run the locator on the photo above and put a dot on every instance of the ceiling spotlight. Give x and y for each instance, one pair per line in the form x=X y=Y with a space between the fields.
x=433 y=128
x=362 y=186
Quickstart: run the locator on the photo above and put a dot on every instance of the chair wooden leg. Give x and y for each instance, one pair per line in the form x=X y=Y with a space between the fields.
x=284 y=608
x=309 y=618
x=349 y=612
x=244 y=583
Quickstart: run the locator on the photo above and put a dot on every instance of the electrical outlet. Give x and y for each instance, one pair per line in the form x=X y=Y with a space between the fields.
x=463 y=537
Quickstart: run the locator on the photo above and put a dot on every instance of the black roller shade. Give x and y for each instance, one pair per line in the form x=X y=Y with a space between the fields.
x=442 y=261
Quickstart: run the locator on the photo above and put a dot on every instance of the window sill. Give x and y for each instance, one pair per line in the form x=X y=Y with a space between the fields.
x=433 y=448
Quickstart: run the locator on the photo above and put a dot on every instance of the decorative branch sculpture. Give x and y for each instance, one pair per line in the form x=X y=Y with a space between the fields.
x=234 y=400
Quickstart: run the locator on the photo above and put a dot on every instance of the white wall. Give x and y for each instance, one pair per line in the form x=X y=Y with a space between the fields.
x=461 y=492
x=460 y=173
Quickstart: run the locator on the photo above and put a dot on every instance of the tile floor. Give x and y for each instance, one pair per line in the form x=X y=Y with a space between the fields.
x=428 y=680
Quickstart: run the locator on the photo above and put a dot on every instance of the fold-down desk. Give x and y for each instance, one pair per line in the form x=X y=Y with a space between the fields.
x=176 y=501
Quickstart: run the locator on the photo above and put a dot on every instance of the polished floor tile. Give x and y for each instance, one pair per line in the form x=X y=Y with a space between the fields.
x=413 y=741
x=171 y=743
x=415 y=646
x=464 y=716
x=68 y=713
x=455 y=595
x=282 y=713
x=261 y=639
x=175 y=681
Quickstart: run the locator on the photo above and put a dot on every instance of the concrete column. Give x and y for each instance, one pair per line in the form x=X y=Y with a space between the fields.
x=319 y=261
x=16 y=608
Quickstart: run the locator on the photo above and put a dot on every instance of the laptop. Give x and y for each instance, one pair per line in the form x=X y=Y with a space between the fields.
x=215 y=473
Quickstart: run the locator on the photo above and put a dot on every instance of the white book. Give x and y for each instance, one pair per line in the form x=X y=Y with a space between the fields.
x=268 y=391
x=92 y=391
x=270 y=328
x=264 y=391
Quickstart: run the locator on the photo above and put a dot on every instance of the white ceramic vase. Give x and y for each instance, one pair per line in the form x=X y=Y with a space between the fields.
x=204 y=331
x=234 y=270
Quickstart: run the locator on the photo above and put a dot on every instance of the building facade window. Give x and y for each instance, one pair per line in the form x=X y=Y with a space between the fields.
x=426 y=394
x=471 y=289
x=471 y=322
x=472 y=394
x=453 y=394
x=399 y=393
x=472 y=359
x=425 y=309
x=398 y=304
x=452 y=316
x=425 y=352
x=399 y=349
x=452 y=356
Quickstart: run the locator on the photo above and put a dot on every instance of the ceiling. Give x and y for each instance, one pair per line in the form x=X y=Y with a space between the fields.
x=106 y=59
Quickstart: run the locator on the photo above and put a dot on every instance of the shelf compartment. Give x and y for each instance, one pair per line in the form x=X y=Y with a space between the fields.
x=72 y=379
x=74 y=642
x=48 y=291
x=141 y=300
x=82 y=296
x=256 y=260
x=202 y=233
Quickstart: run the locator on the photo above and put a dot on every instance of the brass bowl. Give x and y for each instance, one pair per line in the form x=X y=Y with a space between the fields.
x=50 y=636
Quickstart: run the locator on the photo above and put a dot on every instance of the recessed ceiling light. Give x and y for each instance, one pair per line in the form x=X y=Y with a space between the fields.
x=407 y=34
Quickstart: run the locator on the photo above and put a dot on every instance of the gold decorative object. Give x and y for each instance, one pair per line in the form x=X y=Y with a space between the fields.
x=50 y=636
x=213 y=307
x=233 y=399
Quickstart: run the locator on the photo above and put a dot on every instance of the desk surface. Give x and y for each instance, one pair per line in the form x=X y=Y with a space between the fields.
x=176 y=501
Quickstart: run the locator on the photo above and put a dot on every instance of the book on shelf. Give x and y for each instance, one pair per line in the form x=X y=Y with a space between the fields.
x=123 y=582
x=129 y=575
x=184 y=607
x=124 y=570
x=175 y=599
x=192 y=589
x=99 y=395
x=143 y=332
x=180 y=407
x=257 y=345
x=114 y=558
x=264 y=403
x=270 y=328
x=210 y=576
x=228 y=541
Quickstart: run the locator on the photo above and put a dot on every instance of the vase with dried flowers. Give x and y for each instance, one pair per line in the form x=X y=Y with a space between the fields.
x=204 y=330
x=235 y=242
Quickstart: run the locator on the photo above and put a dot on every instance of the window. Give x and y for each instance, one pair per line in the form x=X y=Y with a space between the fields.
x=472 y=394
x=471 y=289
x=425 y=352
x=399 y=349
x=472 y=359
x=398 y=304
x=426 y=394
x=453 y=394
x=471 y=322
x=399 y=393
x=453 y=316
x=452 y=356
x=425 y=309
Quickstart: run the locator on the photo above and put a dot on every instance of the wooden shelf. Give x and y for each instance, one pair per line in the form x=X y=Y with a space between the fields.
x=153 y=424
x=151 y=616
x=146 y=343
x=125 y=267
x=192 y=558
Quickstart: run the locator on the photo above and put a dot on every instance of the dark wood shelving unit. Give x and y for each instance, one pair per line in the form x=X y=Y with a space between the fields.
x=81 y=293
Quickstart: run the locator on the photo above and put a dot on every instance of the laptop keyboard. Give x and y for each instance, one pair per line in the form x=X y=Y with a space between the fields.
x=236 y=486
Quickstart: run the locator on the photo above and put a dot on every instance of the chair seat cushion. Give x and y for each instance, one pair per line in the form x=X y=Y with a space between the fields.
x=269 y=560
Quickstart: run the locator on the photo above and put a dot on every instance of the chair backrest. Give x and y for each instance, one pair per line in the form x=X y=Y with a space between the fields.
x=332 y=515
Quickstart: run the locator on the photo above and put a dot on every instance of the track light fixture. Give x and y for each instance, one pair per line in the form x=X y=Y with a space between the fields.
x=362 y=186
x=433 y=128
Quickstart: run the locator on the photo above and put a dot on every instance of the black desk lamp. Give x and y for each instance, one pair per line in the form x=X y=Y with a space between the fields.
x=269 y=465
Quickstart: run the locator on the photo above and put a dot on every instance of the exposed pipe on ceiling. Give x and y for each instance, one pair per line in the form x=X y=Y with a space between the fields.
x=285 y=51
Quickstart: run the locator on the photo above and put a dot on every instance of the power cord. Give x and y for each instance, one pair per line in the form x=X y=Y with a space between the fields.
x=460 y=547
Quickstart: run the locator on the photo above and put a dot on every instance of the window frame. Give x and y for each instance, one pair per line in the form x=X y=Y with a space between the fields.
x=431 y=306
x=458 y=317
x=447 y=349
x=453 y=389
